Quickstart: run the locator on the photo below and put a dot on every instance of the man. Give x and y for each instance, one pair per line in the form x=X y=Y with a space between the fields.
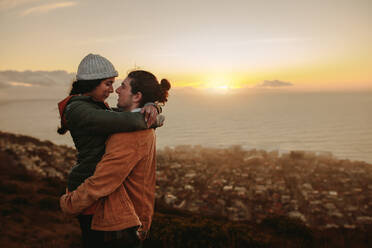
x=120 y=195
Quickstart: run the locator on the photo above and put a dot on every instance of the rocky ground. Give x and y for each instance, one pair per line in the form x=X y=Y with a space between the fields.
x=199 y=193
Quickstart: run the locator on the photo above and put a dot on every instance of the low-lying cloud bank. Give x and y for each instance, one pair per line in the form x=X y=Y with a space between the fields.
x=35 y=78
x=273 y=84
x=21 y=84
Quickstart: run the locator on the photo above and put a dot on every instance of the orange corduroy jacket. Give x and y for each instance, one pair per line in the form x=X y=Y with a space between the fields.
x=123 y=184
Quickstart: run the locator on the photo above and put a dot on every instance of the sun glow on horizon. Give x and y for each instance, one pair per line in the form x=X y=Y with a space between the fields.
x=220 y=89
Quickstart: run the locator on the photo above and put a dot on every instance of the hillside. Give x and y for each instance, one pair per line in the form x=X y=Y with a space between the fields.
x=32 y=177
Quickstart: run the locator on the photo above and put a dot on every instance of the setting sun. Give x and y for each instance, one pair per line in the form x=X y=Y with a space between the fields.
x=219 y=84
x=221 y=89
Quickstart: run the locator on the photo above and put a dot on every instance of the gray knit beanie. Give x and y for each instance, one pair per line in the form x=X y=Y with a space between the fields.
x=94 y=66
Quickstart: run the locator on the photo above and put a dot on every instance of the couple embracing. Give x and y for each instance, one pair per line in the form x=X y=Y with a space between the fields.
x=111 y=189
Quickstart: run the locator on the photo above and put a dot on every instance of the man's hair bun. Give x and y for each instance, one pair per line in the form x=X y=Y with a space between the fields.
x=164 y=83
x=164 y=87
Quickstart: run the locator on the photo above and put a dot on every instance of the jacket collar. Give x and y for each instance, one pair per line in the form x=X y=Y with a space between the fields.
x=62 y=105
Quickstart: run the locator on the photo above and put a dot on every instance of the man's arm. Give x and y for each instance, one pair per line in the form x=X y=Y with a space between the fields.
x=110 y=173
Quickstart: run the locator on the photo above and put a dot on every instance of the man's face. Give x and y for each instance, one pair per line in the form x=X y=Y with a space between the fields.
x=125 y=96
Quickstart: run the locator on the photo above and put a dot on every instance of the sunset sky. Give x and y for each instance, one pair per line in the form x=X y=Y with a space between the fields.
x=306 y=45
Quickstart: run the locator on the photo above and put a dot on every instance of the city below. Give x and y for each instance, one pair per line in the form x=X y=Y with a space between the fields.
x=317 y=189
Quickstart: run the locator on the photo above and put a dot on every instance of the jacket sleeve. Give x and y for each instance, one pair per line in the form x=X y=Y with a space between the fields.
x=84 y=116
x=110 y=173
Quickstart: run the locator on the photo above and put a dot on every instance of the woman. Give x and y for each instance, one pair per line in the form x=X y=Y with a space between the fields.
x=90 y=120
x=123 y=185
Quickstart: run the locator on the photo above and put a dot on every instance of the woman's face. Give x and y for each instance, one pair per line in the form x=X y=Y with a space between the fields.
x=103 y=90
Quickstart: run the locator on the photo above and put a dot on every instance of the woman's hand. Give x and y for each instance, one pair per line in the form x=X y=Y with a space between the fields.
x=63 y=203
x=151 y=113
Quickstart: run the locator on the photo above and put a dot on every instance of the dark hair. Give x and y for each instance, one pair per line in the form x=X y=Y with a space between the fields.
x=80 y=87
x=146 y=83
x=84 y=86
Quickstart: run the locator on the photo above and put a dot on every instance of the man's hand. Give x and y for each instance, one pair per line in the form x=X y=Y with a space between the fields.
x=142 y=235
x=160 y=120
x=151 y=113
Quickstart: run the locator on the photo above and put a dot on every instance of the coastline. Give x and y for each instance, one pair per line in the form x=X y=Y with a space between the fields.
x=336 y=123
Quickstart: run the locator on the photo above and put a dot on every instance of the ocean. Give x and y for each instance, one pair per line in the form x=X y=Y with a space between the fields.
x=339 y=123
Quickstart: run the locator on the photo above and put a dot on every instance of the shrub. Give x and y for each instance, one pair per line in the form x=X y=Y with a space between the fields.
x=20 y=201
x=9 y=187
x=49 y=203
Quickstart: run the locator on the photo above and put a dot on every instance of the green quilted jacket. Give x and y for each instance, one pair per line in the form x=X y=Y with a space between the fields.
x=90 y=123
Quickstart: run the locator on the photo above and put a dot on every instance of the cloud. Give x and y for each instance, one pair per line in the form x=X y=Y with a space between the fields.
x=279 y=40
x=47 y=7
x=4 y=85
x=35 y=78
x=10 y=4
x=274 y=40
x=20 y=84
x=273 y=84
